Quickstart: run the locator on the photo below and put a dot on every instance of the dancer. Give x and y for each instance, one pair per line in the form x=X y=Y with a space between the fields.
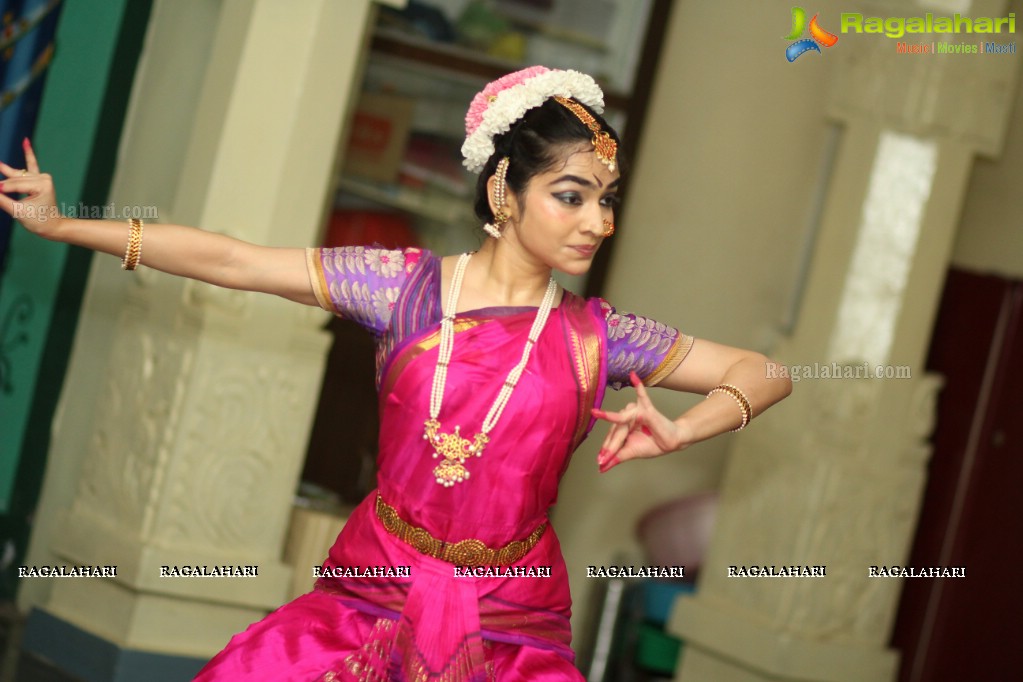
x=490 y=375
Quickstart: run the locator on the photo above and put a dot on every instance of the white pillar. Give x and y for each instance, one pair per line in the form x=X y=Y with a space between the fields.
x=198 y=420
x=834 y=476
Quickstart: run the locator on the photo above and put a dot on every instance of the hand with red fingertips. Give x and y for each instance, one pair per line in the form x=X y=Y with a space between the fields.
x=638 y=431
x=36 y=209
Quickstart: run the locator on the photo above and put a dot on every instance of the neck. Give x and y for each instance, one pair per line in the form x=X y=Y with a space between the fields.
x=506 y=275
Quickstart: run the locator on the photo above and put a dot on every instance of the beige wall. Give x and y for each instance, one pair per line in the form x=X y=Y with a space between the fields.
x=717 y=213
x=720 y=207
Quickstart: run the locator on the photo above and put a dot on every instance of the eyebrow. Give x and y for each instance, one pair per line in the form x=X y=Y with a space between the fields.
x=583 y=181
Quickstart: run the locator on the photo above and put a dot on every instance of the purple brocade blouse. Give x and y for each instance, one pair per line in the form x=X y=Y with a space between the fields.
x=363 y=284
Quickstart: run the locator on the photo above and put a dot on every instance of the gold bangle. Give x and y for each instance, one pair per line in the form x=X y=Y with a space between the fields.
x=740 y=398
x=133 y=251
x=737 y=392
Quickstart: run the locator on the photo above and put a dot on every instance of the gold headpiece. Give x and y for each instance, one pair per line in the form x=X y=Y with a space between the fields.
x=603 y=144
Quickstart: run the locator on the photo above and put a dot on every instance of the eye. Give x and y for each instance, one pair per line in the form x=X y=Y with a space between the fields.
x=571 y=198
x=610 y=201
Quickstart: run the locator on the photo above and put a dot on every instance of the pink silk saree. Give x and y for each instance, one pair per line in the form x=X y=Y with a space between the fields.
x=434 y=624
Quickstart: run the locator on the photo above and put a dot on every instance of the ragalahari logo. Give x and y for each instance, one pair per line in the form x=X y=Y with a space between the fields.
x=818 y=36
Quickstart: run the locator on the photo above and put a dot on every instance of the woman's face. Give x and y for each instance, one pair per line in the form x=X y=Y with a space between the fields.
x=560 y=219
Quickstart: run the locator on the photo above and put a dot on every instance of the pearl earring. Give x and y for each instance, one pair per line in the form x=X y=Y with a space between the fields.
x=500 y=218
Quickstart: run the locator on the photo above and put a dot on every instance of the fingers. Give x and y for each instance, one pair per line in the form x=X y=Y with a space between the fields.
x=622 y=423
x=28 y=185
x=23 y=180
x=636 y=446
x=9 y=205
x=12 y=186
x=31 y=164
x=35 y=204
x=620 y=443
x=622 y=417
x=608 y=446
x=9 y=171
x=608 y=463
x=20 y=181
x=615 y=438
x=634 y=430
x=641 y=393
x=12 y=173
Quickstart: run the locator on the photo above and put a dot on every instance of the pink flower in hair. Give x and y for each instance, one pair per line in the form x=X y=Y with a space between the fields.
x=483 y=98
x=504 y=101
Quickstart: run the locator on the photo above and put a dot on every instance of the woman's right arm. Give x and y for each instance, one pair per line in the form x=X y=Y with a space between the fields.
x=175 y=249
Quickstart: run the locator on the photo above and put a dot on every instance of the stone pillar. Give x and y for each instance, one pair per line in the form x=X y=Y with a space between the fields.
x=199 y=424
x=834 y=476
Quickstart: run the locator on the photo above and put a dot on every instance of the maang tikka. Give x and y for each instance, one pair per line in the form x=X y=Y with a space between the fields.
x=604 y=146
x=500 y=186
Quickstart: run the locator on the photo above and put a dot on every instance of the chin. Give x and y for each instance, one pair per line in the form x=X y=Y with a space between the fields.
x=575 y=269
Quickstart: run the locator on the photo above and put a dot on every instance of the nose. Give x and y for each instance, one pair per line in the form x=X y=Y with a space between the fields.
x=593 y=222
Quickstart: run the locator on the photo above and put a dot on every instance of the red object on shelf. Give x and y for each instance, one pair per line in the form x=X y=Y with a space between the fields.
x=369 y=228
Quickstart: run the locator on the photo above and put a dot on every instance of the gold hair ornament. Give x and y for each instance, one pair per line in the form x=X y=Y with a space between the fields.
x=603 y=144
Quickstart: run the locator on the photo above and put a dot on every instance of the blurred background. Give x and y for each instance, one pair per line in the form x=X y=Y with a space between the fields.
x=853 y=213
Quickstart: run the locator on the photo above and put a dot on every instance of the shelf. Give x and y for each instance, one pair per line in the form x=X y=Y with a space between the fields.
x=435 y=206
x=459 y=60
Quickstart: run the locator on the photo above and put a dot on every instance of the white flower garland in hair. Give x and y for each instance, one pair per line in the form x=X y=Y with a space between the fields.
x=501 y=109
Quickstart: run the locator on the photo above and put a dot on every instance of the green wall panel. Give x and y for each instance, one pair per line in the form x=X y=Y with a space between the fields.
x=79 y=126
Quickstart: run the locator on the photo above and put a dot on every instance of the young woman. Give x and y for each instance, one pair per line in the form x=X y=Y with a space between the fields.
x=490 y=375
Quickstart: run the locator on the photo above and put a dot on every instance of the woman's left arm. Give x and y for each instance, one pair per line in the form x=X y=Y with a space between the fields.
x=640 y=430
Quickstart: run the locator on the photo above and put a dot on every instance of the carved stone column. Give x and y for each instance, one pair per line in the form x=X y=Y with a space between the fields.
x=834 y=476
x=199 y=424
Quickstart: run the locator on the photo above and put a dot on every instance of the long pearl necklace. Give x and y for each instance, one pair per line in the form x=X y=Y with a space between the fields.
x=452 y=447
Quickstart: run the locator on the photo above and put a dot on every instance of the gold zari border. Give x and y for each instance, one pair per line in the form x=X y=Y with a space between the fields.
x=318 y=280
x=678 y=352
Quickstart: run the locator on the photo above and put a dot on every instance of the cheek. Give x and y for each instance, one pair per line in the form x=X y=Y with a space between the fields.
x=552 y=213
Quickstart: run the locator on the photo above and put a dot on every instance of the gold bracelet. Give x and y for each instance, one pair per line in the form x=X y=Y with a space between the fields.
x=740 y=398
x=737 y=392
x=133 y=251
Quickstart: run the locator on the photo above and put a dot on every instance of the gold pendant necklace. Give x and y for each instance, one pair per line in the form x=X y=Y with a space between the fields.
x=453 y=448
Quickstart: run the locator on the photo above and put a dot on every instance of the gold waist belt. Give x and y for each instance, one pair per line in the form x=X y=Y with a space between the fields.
x=469 y=552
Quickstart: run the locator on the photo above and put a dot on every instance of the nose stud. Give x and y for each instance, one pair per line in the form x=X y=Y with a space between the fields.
x=609 y=228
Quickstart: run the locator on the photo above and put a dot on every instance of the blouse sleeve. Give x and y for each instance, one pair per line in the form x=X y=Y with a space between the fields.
x=360 y=283
x=638 y=344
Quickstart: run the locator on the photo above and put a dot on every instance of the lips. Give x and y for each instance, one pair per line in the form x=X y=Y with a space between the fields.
x=585 y=250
